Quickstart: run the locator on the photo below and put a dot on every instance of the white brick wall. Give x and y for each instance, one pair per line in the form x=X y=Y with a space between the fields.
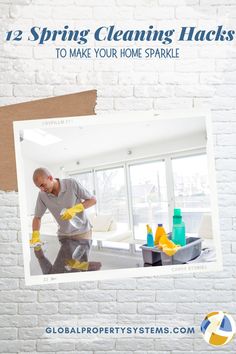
x=203 y=77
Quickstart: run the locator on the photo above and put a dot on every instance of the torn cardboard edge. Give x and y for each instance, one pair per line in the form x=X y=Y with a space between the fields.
x=76 y=104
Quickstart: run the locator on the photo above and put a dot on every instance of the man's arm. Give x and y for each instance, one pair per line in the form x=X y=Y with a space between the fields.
x=36 y=224
x=40 y=209
x=82 y=194
x=78 y=208
x=89 y=202
x=35 y=239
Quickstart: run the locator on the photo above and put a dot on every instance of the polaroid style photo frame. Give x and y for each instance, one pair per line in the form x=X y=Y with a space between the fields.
x=144 y=169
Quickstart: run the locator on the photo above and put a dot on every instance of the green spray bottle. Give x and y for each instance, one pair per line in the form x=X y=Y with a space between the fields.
x=178 y=230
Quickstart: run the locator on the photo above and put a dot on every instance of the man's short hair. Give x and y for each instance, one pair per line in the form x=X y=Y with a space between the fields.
x=41 y=171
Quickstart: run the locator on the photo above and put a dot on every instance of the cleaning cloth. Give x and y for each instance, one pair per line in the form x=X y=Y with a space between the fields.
x=167 y=246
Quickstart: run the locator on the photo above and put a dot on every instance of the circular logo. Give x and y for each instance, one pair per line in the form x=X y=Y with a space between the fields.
x=218 y=328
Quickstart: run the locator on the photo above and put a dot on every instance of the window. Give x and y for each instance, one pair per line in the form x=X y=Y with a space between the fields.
x=86 y=180
x=112 y=195
x=140 y=193
x=148 y=196
x=191 y=189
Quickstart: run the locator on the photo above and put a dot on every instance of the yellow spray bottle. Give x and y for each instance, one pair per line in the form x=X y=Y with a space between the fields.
x=160 y=231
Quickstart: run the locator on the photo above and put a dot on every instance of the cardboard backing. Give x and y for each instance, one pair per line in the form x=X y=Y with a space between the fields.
x=77 y=104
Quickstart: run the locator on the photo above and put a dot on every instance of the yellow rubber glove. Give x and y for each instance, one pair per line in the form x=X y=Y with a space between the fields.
x=74 y=264
x=164 y=241
x=168 y=246
x=170 y=251
x=35 y=240
x=70 y=213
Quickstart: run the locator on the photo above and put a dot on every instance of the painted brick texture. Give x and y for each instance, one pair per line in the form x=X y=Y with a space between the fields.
x=205 y=76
